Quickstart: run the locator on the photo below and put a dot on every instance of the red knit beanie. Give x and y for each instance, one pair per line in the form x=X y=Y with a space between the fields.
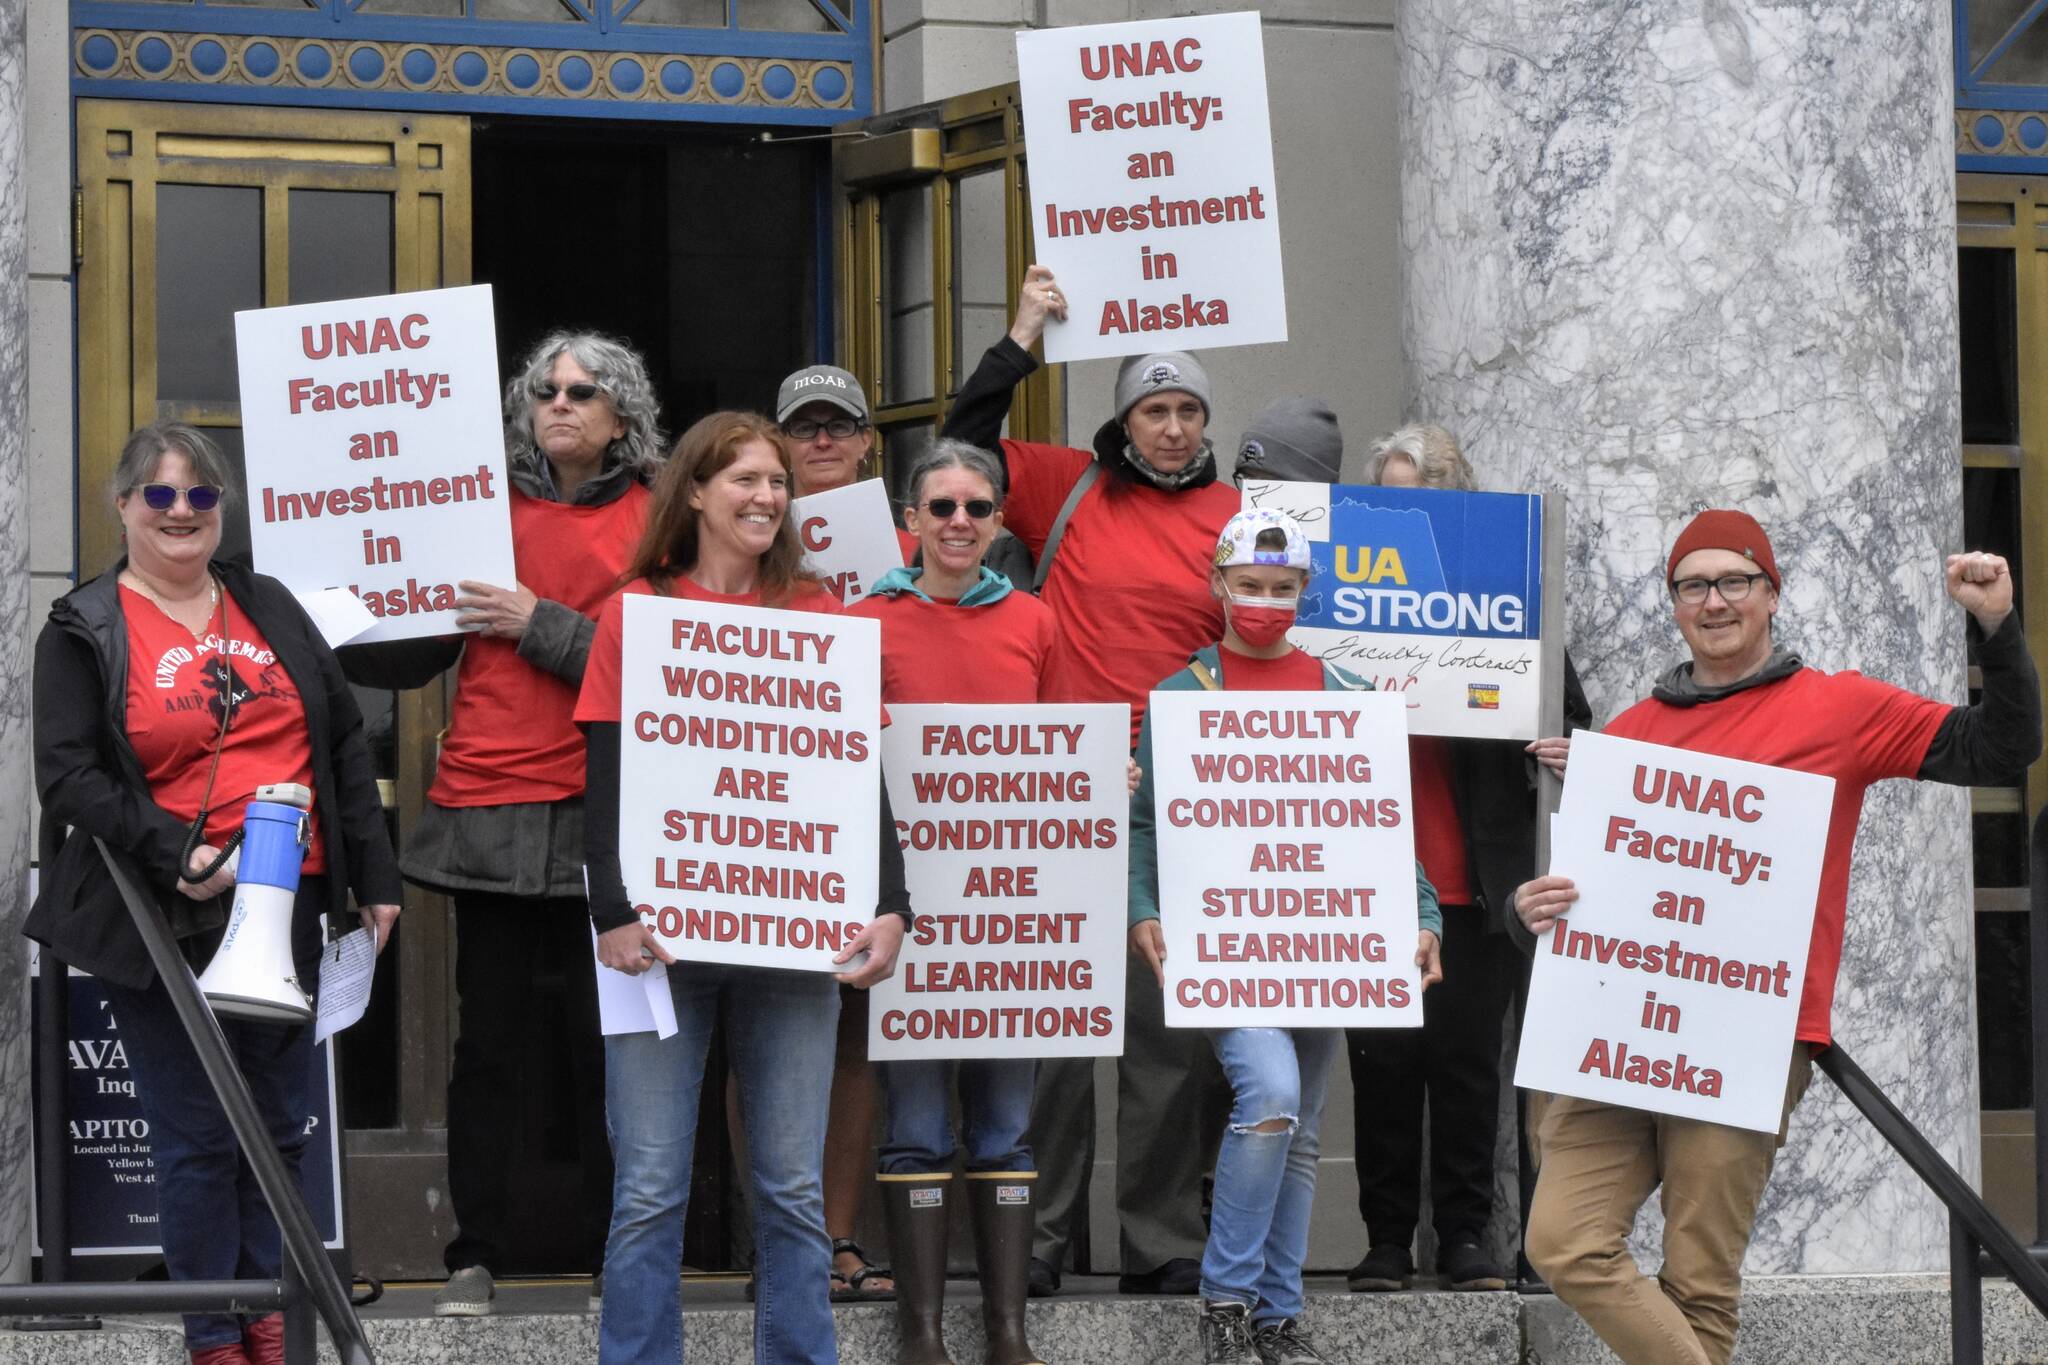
x=1722 y=528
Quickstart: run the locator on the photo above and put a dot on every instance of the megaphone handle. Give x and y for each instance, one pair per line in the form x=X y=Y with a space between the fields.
x=220 y=860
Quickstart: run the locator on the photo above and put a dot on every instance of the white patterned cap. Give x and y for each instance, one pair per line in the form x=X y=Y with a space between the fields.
x=1238 y=546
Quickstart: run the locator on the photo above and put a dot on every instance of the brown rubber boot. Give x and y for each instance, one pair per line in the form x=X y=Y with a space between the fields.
x=914 y=1208
x=1002 y=1208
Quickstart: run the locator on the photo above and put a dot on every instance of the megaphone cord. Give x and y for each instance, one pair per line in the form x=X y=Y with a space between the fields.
x=196 y=835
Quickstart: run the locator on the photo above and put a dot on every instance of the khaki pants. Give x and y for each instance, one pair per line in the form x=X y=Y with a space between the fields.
x=1599 y=1164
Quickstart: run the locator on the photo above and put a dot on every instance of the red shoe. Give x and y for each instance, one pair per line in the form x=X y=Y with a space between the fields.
x=230 y=1354
x=265 y=1339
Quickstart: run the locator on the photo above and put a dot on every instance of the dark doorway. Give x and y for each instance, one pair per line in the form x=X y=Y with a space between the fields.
x=703 y=250
x=701 y=247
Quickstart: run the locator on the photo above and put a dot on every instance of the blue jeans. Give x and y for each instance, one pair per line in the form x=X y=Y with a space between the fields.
x=211 y=1216
x=1266 y=1181
x=995 y=1106
x=780 y=1027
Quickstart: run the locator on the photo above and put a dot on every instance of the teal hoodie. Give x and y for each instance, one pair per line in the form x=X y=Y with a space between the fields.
x=1144 y=871
x=989 y=589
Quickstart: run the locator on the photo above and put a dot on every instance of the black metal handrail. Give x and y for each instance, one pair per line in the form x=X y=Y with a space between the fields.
x=309 y=1278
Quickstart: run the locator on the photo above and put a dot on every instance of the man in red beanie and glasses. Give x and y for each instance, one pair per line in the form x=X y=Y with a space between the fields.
x=1743 y=697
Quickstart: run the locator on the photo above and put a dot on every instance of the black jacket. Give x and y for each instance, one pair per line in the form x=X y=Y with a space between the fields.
x=91 y=781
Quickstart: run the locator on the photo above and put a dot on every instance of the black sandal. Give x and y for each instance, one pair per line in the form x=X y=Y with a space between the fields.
x=853 y=1288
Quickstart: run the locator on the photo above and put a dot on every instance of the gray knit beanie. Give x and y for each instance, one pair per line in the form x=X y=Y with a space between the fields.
x=1294 y=440
x=1141 y=376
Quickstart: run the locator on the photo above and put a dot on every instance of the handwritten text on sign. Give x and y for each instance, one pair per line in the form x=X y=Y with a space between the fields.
x=1152 y=184
x=1674 y=983
x=376 y=453
x=1013 y=821
x=1434 y=594
x=1286 y=860
x=848 y=539
x=749 y=797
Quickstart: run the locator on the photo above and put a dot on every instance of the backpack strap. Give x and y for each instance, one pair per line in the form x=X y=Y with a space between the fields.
x=1204 y=676
x=1059 y=523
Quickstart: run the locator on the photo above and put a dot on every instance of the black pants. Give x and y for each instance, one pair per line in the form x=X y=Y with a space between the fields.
x=1454 y=1062
x=514 y=1057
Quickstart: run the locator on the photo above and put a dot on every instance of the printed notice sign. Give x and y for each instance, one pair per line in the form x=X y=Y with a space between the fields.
x=849 y=540
x=376 y=453
x=1286 y=860
x=1014 y=824
x=749 y=786
x=1152 y=190
x=1674 y=982
x=1434 y=594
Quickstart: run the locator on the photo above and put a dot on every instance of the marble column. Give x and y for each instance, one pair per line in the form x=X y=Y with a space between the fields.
x=14 y=657
x=1702 y=253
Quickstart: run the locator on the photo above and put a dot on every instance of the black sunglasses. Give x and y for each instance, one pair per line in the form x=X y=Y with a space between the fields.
x=839 y=428
x=161 y=497
x=981 y=509
x=580 y=393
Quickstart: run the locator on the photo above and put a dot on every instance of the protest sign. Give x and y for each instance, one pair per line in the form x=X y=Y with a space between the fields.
x=1286 y=860
x=1152 y=187
x=749 y=791
x=1436 y=595
x=1674 y=983
x=1014 y=824
x=110 y=1170
x=375 y=451
x=848 y=537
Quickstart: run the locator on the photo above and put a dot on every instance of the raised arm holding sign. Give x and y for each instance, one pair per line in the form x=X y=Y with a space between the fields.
x=1705 y=829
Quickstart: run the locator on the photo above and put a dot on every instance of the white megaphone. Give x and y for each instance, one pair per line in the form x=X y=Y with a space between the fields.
x=252 y=976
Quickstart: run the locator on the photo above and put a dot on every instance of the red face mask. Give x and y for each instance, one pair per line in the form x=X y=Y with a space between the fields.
x=1259 y=621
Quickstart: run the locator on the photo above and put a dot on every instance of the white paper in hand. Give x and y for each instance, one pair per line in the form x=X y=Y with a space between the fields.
x=339 y=613
x=347 y=967
x=632 y=1004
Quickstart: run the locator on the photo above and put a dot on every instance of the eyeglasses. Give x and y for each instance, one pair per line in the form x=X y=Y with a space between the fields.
x=981 y=509
x=1733 y=587
x=161 y=497
x=839 y=428
x=578 y=393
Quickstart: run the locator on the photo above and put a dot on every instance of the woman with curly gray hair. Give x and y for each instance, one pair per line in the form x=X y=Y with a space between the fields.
x=502 y=828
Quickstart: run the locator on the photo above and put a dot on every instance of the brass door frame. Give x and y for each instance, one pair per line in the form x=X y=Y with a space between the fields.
x=934 y=144
x=2006 y=212
x=125 y=151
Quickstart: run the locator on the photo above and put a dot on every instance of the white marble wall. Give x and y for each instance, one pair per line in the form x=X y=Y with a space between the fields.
x=1664 y=256
x=14 y=663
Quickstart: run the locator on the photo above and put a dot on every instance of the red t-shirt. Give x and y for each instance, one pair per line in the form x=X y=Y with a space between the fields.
x=1854 y=729
x=599 y=700
x=510 y=737
x=1130 y=582
x=939 y=651
x=1439 y=839
x=174 y=701
x=1293 y=671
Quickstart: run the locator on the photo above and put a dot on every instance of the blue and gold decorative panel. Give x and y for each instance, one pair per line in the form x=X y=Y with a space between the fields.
x=592 y=64
x=2001 y=56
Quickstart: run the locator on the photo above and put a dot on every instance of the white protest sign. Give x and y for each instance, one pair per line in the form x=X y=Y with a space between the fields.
x=1152 y=186
x=1014 y=821
x=376 y=453
x=848 y=538
x=1674 y=983
x=1286 y=860
x=749 y=791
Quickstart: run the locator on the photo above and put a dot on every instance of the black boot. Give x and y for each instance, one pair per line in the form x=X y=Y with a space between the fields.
x=1001 y=1204
x=914 y=1207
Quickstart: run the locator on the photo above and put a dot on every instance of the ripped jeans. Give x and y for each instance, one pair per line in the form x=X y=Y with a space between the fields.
x=1266 y=1181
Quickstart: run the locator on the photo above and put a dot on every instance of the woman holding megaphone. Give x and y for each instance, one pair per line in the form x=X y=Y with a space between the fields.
x=168 y=691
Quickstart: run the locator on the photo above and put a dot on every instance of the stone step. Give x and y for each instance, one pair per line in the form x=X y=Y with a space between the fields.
x=1792 y=1320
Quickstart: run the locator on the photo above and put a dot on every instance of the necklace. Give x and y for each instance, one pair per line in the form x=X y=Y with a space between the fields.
x=170 y=608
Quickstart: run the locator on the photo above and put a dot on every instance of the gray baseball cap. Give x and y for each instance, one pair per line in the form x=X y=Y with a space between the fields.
x=821 y=384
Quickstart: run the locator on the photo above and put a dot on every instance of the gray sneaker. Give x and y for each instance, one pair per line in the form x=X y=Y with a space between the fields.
x=467 y=1294
x=1227 y=1335
x=1284 y=1343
